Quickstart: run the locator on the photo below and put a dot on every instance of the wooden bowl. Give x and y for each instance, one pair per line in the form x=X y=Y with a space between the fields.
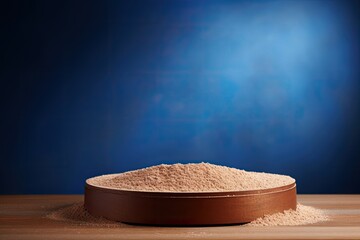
x=187 y=208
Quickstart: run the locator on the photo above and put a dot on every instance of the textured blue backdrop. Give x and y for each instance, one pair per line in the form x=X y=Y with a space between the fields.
x=96 y=87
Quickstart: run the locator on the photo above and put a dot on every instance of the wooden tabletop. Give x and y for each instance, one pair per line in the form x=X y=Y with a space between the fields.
x=22 y=217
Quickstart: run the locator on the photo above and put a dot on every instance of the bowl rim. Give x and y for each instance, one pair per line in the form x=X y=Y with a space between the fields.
x=189 y=194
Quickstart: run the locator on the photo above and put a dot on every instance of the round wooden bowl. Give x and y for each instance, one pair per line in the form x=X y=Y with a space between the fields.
x=187 y=209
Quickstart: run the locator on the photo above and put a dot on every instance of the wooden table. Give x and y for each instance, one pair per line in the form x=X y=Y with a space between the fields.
x=22 y=217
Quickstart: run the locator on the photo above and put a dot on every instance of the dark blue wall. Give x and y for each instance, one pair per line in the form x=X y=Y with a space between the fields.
x=96 y=87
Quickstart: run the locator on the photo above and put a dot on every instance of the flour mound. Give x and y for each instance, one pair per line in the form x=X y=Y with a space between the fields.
x=192 y=177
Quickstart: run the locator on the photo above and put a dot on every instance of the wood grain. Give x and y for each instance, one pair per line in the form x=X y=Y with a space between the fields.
x=22 y=217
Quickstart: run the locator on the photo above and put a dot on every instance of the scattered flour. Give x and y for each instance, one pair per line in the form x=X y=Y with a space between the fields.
x=302 y=216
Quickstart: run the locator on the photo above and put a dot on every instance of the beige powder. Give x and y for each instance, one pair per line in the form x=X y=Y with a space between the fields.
x=303 y=215
x=77 y=214
x=201 y=177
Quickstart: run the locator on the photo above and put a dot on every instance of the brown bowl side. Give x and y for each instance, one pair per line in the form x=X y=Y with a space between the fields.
x=186 y=209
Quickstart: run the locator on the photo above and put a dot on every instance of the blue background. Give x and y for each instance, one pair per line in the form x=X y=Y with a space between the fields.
x=96 y=87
